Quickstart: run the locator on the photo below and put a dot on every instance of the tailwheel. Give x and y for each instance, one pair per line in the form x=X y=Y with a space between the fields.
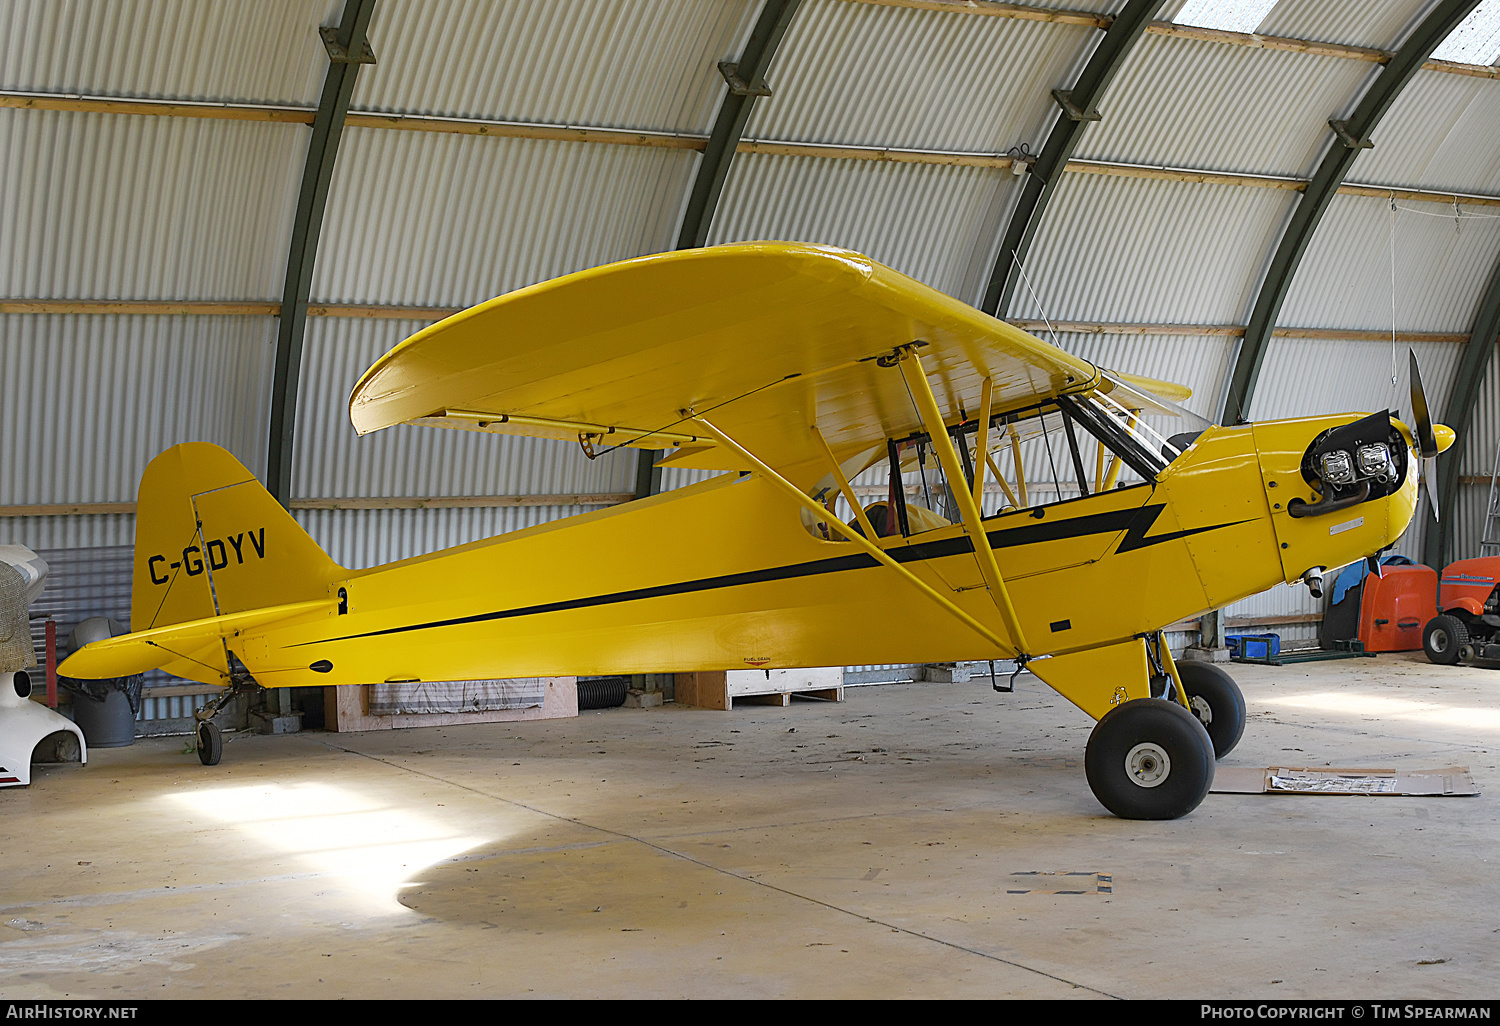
x=1149 y=759
x=210 y=743
x=210 y=739
x=1215 y=699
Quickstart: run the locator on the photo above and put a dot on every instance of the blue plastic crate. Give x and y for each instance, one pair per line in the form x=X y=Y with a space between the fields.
x=1253 y=646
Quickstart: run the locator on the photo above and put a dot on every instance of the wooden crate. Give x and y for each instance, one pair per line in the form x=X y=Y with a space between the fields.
x=720 y=689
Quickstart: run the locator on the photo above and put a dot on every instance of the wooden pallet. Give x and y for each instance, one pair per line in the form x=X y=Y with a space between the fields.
x=720 y=689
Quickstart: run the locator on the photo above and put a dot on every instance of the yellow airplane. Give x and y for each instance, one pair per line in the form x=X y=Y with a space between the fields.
x=794 y=369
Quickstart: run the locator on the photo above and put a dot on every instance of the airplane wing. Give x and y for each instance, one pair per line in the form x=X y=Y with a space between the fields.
x=765 y=338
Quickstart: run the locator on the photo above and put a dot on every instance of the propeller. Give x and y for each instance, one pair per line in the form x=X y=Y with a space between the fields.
x=1424 y=435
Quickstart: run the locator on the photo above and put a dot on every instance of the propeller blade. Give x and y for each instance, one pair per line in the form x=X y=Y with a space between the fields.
x=1422 y=429
x=1429 y=477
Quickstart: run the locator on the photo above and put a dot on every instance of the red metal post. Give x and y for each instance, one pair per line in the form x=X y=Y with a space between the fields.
x=51 y=662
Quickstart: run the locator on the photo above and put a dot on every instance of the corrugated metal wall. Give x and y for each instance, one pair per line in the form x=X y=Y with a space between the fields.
x=1352 y=22
x=1440 y=267
x=647 y=64
x=1254 y=111
x=1443 y=133
x=110 y=206
x=69 y=532
x=1478 y=462
x=1165 y=253
x=225 y=50
x=452 y=220
x=82 y=582
x=927 y=221
x=858 y=74
x=91 y=399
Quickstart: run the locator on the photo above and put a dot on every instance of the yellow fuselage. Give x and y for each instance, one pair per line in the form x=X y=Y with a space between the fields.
x=723 y=575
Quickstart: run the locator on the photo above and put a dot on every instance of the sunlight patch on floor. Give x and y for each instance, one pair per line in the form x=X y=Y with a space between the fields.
x=375 y=846
x=1393 y=709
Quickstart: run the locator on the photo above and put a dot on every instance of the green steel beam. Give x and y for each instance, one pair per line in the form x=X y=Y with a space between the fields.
x=348 y=48
x=1078 y=111
x=1440 y=546
x=647 y=476
x=746 y=79
x=1350 y=136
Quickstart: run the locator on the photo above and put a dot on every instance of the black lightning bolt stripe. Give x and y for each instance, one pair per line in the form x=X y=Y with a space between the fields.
x=1134 y=522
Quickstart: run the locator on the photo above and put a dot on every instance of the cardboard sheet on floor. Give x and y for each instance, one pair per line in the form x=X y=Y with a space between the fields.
x=1452 y=781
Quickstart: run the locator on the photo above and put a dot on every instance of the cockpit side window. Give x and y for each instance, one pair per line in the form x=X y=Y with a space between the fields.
x=1065 y=449
x=904 y=494
x=1068 y=447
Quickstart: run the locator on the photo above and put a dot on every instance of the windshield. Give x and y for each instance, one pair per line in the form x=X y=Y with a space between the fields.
x=1155 y=422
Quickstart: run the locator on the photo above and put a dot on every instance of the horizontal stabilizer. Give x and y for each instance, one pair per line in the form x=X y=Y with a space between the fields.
x=198 y=641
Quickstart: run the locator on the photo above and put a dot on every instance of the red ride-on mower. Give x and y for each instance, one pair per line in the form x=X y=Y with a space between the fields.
x=1469 y=623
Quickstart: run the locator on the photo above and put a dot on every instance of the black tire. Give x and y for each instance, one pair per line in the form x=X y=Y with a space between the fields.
x=1444 y=638
x=603 y=693
x=210 y=743
x=1215 y=699
x=1149 y=759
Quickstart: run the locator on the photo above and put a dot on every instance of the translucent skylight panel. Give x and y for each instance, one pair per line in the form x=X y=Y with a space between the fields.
x=1477 y=38
x=1229 y=15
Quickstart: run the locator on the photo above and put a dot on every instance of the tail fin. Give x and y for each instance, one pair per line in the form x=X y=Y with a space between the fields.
x=210 y=540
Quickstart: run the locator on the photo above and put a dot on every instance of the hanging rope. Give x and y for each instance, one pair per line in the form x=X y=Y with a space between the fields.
x=1457 y=215
x=1027 y=279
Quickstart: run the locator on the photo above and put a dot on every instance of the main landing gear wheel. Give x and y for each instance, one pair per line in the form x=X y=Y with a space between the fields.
x=1215 y=699
x=210 y=743
x=1149 y=759
x=1443 y=639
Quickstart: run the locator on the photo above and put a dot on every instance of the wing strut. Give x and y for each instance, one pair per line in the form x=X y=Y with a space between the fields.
x=942 y=443
x=999 y=477
x=844 y=487
x=982 y=440
x=1015 y=457
x=848 y=532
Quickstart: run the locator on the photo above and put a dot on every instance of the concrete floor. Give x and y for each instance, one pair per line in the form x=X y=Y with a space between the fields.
x=864 y=849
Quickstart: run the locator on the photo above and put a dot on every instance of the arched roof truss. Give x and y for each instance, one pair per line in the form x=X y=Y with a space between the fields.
x=348 y=48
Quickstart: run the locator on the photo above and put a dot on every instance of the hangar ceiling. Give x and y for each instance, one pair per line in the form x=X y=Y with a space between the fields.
x=160 y=156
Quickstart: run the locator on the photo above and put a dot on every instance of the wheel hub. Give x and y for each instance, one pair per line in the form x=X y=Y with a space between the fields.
x=1201 y=709
x=1439 y=639
x=1147 y=764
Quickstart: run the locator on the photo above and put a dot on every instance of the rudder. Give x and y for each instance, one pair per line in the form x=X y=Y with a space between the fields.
x=210 y=540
